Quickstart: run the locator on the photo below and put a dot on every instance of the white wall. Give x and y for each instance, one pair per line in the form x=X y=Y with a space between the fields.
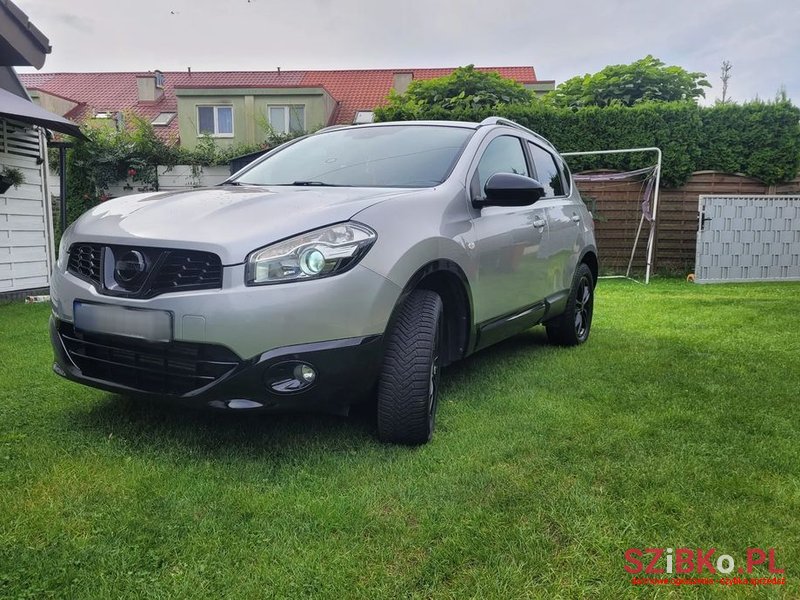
x=25 y=220
x=182 y=177
x=170 y=179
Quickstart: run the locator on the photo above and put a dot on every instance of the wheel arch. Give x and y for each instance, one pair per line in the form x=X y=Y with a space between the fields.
x=447 y=279
x=589 y=258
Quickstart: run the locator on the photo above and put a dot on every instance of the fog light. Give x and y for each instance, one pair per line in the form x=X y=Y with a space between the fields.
x=290 y=377
x=305 y=373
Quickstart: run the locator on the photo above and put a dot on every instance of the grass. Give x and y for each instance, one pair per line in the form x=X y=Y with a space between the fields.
x=676 y=425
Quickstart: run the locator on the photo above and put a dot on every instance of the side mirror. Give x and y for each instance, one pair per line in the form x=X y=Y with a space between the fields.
x=510 y=189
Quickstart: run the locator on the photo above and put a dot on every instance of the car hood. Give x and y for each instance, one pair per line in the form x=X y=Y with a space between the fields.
x=230 y=221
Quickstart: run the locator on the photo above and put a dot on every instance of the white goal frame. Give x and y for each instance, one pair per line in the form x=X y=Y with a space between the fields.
x=652 y=234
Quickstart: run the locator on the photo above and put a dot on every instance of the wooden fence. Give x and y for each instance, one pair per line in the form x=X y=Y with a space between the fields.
x=617 y=206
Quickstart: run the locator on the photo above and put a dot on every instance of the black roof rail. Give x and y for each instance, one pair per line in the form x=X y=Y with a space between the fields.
x=508 y=122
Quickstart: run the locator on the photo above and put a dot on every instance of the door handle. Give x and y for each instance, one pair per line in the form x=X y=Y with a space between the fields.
x=576 y=218
x=537 y=222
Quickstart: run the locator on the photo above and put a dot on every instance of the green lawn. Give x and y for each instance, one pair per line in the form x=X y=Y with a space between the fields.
x=676 y=425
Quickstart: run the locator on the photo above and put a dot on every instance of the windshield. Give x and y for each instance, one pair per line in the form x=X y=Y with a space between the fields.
x=385 y=156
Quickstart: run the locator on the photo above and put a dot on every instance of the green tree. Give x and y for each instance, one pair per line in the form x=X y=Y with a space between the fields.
x=648 y=79
x=464 y=89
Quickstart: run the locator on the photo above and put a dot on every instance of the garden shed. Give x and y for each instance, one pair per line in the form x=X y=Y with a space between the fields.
x=26 y=228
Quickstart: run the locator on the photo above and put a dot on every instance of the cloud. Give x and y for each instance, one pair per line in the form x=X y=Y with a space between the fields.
x=560 y=39
x=82 y=24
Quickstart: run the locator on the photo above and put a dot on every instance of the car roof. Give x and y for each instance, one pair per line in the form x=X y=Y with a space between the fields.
x=488 y=122
x=461 y=124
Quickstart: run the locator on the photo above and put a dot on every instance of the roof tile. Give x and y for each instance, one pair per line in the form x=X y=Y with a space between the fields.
x=353 y=89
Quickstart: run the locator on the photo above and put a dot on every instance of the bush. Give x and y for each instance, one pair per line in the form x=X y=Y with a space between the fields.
x=464 y=89
x=757 y=139
x=107 y=156
x=644 y=80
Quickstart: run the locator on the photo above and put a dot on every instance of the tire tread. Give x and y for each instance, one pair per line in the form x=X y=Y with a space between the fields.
x=405 y=375
x=561 y=331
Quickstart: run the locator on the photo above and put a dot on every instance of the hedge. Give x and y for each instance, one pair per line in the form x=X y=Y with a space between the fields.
x=757 y=139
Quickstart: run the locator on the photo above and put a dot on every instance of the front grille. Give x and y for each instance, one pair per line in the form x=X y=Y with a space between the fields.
x=166 y=270
x=187 y=270
x=85 y=261
x=173 y=368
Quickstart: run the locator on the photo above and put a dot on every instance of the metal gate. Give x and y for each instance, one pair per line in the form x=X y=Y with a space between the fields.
x=748 y=238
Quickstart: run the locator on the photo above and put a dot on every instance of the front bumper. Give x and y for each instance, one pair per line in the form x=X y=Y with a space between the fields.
x=226 y=342
x=346 y=370
x=252 y=319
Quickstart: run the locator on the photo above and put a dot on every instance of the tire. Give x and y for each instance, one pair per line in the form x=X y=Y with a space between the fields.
x=572 y=328
x=408 y=387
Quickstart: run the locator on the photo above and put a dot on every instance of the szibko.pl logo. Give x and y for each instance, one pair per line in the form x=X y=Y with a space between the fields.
x=659 y=561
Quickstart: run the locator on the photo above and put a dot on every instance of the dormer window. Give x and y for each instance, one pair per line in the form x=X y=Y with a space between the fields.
x=163 y=119
x=363 y=117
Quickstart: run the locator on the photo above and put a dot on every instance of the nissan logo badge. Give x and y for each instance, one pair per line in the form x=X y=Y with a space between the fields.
x=129 y=266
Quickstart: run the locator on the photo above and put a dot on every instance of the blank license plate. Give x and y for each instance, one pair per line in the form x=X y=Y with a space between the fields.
x=143 y=324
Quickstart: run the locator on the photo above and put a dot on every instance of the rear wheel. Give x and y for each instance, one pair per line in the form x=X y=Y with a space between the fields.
x=572 y=328
x=408 y=388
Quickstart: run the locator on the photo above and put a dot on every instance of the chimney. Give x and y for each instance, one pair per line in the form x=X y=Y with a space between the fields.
x=150 y=87
x=401 y=81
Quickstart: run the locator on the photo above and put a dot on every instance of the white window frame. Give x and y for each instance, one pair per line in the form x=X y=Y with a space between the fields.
x=359 y=120
x=287 y=116
x=216 y=133
x=167 y=120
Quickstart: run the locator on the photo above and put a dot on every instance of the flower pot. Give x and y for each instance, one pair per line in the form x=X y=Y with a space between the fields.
x=4 y=185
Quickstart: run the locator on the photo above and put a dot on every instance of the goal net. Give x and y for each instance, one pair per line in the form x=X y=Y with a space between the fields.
x=624 y=205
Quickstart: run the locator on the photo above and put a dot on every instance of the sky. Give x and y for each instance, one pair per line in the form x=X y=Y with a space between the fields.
x=559 y=38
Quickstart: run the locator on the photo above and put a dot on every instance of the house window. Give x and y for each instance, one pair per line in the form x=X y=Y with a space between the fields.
x=364 y=116
x=287 y=119
x=216 y=121
x=164 y=118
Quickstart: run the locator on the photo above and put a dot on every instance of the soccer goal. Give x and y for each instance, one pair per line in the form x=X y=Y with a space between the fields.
x=621 y=186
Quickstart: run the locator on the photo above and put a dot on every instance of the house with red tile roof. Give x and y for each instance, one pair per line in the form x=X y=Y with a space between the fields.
x=235 y=107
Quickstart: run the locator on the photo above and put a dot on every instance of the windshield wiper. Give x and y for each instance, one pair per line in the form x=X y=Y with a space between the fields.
x=297 y=183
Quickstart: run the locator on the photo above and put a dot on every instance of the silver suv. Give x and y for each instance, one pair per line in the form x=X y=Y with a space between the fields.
x=354 y=262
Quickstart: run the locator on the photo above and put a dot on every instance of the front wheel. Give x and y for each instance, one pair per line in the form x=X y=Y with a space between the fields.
x=408 y=388
x=572 y=328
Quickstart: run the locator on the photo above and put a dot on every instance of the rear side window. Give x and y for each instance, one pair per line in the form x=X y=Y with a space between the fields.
x=567 y=176
x=504 y=154
x=546 y=171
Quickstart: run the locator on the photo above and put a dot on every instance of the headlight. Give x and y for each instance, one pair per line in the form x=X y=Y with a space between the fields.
x=61 y=259
x=313 y=255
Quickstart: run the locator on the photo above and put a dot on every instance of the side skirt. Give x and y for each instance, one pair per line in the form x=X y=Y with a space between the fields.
x=492 y=331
